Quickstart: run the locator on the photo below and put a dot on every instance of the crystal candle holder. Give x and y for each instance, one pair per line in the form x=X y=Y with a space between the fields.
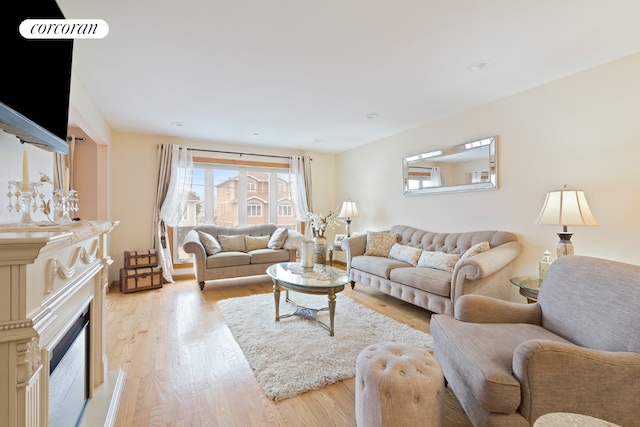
x=26 y=201
x=65 y=204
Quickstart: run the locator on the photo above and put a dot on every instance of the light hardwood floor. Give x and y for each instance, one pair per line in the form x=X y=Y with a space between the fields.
x=183 y=367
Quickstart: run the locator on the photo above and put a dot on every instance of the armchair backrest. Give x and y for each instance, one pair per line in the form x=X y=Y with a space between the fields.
x=593 y=302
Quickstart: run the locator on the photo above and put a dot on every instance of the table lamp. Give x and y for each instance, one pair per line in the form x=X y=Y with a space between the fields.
x=348 y=211
x=566 y=207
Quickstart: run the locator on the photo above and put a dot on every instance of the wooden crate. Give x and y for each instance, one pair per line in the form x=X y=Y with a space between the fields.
x=137 y=259
x=140 y=279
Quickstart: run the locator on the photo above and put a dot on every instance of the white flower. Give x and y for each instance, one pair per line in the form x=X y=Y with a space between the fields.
x=320 y=223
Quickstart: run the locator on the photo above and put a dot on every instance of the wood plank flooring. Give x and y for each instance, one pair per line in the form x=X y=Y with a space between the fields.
x=183 y=367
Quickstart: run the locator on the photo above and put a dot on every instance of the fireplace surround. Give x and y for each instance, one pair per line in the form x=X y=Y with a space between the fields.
x=50 y=277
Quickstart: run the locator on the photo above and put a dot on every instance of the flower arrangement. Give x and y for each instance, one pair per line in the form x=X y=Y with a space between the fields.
x=319 y=223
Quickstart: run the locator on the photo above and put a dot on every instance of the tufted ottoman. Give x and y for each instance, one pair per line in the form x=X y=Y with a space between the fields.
x=398 y=385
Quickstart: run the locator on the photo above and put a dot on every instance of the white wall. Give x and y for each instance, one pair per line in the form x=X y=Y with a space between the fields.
x=582 y=131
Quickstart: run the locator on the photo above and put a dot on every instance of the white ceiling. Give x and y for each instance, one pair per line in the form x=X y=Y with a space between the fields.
x=304 y=75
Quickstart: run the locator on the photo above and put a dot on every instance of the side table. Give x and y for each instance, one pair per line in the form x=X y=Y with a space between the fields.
x=333 y=247
x=529 y=286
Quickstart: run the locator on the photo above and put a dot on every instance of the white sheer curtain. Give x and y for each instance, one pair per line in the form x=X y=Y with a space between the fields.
x=175 y=173
x=300 y=180
x=436 y=177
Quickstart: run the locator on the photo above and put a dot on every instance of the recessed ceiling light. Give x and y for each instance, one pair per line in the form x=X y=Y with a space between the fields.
x=256 y=133
x=179 y=124
x=371 y=116
x=479 y=66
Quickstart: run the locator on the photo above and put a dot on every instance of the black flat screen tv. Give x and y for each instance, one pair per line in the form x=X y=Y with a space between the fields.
x=35 y=78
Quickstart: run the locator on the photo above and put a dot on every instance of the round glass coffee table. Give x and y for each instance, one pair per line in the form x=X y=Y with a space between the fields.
x=324 y=279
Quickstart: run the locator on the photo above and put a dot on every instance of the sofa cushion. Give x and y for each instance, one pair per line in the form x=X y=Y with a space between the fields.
x=255 y=242
x=472 y=350
x=379 y=243
x=211 y=245
x=228 y=259
x=475 y=250
x=294 y=240
x=427 y=279
x=376 y=265
x=278 y=238
x=261 y=256
x=405 y=253
x=232 y=243
x=438 y=260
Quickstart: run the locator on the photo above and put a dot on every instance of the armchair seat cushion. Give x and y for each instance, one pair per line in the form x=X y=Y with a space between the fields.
x=485 y=363
x=430 y=280
x=228 y=259
x=378 y=266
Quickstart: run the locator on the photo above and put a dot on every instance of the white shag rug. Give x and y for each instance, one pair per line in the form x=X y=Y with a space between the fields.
x=296 y=355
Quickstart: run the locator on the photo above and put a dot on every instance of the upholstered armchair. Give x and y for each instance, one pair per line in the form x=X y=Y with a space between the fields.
x=576 y=350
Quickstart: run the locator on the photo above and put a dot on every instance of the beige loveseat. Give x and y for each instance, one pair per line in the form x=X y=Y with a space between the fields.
x=435 y=289
x=238 y=251
x=576 y=350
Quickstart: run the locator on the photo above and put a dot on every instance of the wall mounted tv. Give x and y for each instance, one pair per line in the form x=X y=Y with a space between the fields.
x=36 y=79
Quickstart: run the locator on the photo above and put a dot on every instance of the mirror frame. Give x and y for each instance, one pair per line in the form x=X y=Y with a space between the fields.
x=492 y=166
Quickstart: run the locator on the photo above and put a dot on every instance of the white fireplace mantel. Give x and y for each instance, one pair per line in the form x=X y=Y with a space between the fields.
x=48 y=276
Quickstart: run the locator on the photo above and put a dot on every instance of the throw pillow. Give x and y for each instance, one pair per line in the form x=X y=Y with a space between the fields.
x=211 y=245
x=255 y=242
x=405 y=253
x=232 y=243
x=438 y=260
x=294 y=240
x=475 y=250
x=277 y=238
x=379 y=243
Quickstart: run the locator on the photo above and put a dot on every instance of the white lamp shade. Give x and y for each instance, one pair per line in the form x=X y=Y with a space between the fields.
x=566 y=207
x=349 y=210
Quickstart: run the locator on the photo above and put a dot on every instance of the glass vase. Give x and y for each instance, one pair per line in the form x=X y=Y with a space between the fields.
x=307 y=253
x=320 y=250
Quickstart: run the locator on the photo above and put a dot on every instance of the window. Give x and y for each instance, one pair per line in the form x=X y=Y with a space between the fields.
x=236 y=195
x=285 y=209
x=254 y=209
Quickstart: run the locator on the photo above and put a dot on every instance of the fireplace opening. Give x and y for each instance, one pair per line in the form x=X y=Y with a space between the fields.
x=69 y=375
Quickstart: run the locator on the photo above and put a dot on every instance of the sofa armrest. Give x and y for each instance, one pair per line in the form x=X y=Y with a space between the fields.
x=483 y=309
x=191 y=244
x=557 y=376
x=353 y=246
x=488 y=262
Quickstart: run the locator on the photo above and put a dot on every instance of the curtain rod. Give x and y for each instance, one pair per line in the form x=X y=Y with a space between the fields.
x=238 y=153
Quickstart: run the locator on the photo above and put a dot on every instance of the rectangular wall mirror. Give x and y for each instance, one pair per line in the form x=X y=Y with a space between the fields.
x=465 y=167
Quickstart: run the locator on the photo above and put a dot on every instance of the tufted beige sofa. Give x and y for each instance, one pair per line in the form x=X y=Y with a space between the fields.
x=487 y=273
x=226 y=265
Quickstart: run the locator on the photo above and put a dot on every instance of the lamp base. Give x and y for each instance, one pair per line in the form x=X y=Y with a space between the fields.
x=564 y=247
x=348 y=227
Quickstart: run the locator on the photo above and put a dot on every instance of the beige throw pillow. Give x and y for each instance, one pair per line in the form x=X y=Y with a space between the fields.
x=379 y=243
x=211 y=245
x=278 y=238
x=475 y=250
x=405 y=253
x=438 y=260
x=255 y=242
x=232 y=243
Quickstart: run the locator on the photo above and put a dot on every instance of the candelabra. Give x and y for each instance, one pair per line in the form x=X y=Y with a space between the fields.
x=64 y=204
x=26 y=201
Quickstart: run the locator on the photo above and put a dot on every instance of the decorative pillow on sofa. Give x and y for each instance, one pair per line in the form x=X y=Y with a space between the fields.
x=211 y=245
x=475 y=250
x=405 y=253
x=438 y=260
x=294 y=240
x=255 y=242
x=379 y=243
x=278 y=238
x=232 y=243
